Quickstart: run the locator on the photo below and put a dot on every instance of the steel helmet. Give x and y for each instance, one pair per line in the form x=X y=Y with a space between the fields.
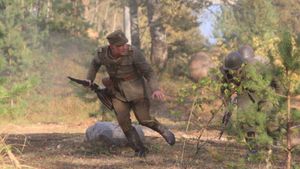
x=233 y=61
x=247 y=52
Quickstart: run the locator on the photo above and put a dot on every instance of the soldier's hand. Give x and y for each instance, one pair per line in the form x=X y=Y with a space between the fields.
x=89 y=82
x=107 y=82
x=158 y=94
x=233 y=98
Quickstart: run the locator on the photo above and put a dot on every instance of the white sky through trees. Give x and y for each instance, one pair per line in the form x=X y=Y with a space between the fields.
x=208 y=20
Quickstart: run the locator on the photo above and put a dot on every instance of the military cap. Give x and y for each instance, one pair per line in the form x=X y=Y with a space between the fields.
x=117 y=38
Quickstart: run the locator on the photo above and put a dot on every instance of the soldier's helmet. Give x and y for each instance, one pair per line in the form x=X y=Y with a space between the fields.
x=233 y=61
x=247 y=52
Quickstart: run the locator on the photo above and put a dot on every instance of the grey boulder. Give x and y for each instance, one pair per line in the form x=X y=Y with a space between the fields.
x=109 y=134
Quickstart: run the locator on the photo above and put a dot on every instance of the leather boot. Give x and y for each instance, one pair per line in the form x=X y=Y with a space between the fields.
x=135 y=142
x=165 y=133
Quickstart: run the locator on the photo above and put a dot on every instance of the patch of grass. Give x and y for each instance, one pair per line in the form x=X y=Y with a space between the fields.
x=237 y=165
x=176 y=113
x=67 y=109
x=7 y=158
x=296 y=166
x=215 y=154
x=155 y=148
x=103 y=114
x=95 y=149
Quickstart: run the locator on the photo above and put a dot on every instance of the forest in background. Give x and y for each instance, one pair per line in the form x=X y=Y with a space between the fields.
x=35 y=33
x=44 y=41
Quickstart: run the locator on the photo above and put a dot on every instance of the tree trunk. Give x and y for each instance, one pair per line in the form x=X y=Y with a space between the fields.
x=289 y=138
x=103 y=24
x=114 y=22
x=74 y=6
x=49 y=8
x=38 y=7
x=288 y=127
x=96 y=18
x=159 y=49
x=135 y=32
x=127 y=24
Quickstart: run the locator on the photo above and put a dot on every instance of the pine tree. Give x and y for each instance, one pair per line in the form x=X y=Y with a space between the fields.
x=15 y=57
x=249 y=22
x=288 y=69
x=288 y=11
x=12 y=44
x=66 y=17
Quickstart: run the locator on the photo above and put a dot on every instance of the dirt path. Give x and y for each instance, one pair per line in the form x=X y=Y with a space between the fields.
x=61 y=146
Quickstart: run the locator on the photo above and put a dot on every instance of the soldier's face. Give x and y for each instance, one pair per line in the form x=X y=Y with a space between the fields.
x=119 y=50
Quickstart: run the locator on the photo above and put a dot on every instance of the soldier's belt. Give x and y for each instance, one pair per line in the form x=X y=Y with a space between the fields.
x=125 y=78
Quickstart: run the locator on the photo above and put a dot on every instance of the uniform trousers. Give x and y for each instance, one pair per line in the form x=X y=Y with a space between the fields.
x=141 y=110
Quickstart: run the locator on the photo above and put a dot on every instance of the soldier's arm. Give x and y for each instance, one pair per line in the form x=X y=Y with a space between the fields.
x=94 y=67
x=144 y=68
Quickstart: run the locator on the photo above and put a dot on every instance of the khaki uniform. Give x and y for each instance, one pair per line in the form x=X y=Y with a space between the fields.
x=129 y=74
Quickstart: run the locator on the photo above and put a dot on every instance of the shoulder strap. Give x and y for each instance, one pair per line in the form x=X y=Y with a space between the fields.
x=130 y=55
x=101 y=51
x=130 y=52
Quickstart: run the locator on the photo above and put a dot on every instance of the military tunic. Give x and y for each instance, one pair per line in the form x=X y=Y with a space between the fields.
x=129 y=75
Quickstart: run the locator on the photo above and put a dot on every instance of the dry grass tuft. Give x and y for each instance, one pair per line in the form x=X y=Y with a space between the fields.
x=8 y=158
x=5 y=152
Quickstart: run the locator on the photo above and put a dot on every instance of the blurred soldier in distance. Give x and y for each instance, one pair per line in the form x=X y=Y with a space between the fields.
x=248 y=84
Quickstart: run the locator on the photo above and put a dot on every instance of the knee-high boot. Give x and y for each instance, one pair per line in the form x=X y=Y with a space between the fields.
x=164 y=132
x=135 y=142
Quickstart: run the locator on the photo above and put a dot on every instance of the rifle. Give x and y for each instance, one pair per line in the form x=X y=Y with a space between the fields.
x=227 y=113
x=103 y=94
x=225 y=121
